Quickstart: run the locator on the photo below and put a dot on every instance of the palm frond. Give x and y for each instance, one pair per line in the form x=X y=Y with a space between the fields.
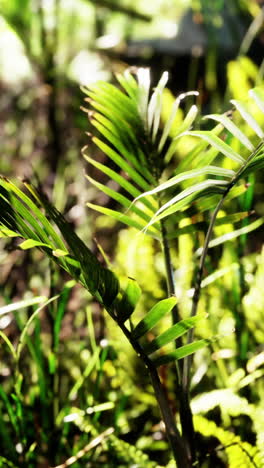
x=128 y=121
x=22 y=216
x=214 y=142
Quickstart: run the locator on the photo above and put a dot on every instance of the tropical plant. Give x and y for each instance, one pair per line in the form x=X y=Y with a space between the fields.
x=159 y=200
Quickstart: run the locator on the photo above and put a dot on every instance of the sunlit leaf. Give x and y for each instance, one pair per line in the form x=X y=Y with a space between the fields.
x=153 y=316
x=219 y=144
x=172 y=333
x=248 y=117
x=258 y=95
x=232 y=128
x=181 y=352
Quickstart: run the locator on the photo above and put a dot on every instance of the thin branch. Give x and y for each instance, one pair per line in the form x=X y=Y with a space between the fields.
x=185 y=411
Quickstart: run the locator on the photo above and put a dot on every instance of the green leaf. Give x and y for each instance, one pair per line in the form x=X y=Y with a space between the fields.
x=39 y=215
x=232 y=128
x=169 y=123
x=11 y=413
x=61 y=309
x=199 y=156
x=130 y=188
x=154 y=107
x=181 y=352
x=114 y=105
x=258 y=95
x=207 y=193
x=26 y=327
x=31 y=243
x=124 y=219
x=124 y=201
x=9 y=345
x=210 y=202
x=234 y=234
x=213 y=170
x=186 y=124
x=83 y=265
x=186 y=197
x=7 y=463
x=238 y=232
x=119 y=160
x=202 y=225
x=129 y=84
x=59 y=253
x=219 y=144
x=129 y=300
x=173 y=333
x=126 y=141
x=153 y=316
x=5 y=232
x=255 y=164
x=248 y=117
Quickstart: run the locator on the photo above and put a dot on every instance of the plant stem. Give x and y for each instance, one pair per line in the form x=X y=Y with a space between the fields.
x=169 y=269
x=179 y=449
x=184 y=400
x=197 y=291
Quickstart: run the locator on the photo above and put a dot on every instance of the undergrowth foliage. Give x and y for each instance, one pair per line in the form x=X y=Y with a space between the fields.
x=158 y=199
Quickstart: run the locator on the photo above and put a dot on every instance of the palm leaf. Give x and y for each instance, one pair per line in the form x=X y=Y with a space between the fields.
x=254 y=161
x=182 y=352
x=128 y=121
x=71 y=253
x=154 y=316
x=172 y=333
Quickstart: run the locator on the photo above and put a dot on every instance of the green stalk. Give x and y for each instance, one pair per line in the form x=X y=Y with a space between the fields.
x=179 y=449
x=185 y=411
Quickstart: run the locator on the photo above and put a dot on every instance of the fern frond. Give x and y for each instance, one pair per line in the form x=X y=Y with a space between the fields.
x=240 y=454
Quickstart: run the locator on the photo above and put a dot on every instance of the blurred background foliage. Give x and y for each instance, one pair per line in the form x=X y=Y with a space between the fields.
x=77 y=376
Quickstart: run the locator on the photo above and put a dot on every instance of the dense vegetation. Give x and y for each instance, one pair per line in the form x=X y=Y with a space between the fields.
x=131 y=334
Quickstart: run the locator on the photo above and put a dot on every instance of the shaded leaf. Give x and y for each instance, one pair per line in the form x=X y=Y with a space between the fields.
x=129 y=300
